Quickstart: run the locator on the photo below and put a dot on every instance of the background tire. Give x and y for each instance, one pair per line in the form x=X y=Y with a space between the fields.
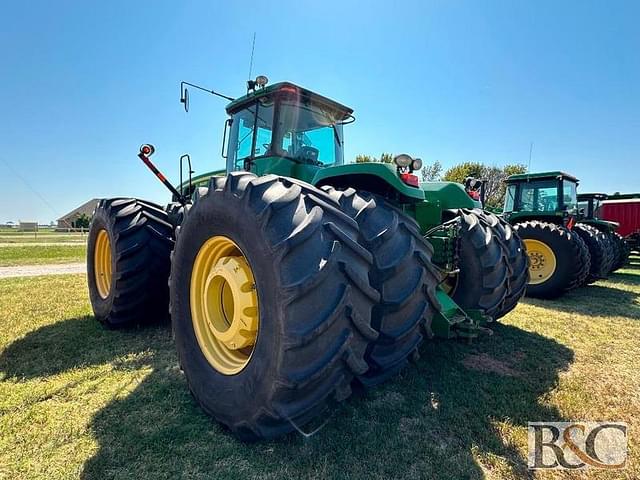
x=583 y=264
x=140 y=240
x=315 y=301
x=622 y=251
x=403 y=275
x=572 y=260
x=600 y=251
x=483 y=280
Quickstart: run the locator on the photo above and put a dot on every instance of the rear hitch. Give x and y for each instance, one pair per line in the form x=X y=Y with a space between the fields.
x=451 y=321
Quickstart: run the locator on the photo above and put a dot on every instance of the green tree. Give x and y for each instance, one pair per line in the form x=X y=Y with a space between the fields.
x=364 y=158
x=459 y=173
x=384 y=158
x=432 y=172
x=493 y=176
x=82 y=221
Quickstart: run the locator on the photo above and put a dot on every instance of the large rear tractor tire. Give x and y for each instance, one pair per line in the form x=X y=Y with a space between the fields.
x=270 y=302
x=483 y=280
x=558 y=258
x=128 y=262
x=600 y=251
x=403 y=275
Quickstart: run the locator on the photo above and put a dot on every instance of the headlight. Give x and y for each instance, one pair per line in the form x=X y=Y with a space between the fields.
x=402 y=160
x=416 y=164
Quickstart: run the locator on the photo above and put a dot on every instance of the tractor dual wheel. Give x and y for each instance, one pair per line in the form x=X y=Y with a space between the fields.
x=492 y=262
x=270 y=302
x=517 y=260
x=600 y=251
x=621 y=249
x=128 y=262
x=403 y=275
x=559 y=260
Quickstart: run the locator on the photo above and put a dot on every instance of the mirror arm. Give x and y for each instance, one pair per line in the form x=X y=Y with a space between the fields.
x=184 y=93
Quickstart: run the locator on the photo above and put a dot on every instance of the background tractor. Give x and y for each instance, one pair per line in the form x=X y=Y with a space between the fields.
x=624 y=209
x=293 y=275
x=590 y=205
x=563 y=254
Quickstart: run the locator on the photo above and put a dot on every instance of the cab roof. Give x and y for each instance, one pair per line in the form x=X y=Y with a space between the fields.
x=525 y=177
x=249 y=98
x=589 y=196
x=623 y=196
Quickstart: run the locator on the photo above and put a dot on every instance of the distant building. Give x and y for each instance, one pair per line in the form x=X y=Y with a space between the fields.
x=69 y=220
x=27 y=226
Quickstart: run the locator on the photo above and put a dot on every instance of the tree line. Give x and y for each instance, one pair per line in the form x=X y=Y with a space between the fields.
x=494 y=176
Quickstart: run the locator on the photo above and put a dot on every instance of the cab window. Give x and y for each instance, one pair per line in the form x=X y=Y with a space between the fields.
x=310 y=133
x=252 y=123
x=539 y=196
x=569 y=195
x=509 y=199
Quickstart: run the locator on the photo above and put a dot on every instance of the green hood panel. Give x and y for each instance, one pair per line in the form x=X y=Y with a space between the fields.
x=448 y=195
x=355 y=173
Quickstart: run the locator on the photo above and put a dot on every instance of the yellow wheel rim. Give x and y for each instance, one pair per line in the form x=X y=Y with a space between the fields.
x=102 y=263
x=542 y=261
x=224 y=305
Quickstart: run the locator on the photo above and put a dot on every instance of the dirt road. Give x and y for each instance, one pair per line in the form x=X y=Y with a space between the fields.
x=35 y=270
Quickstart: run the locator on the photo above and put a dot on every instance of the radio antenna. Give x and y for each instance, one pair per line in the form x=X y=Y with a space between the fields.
x=530 y=152
x=253 y=47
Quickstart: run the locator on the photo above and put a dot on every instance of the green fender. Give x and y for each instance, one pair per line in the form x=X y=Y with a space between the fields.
x=380 y=178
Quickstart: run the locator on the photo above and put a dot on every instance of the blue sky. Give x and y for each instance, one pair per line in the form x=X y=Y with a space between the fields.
x=85 y=83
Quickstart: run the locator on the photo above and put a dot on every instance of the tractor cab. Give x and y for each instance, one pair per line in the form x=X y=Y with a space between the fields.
x=551 y=196
x=286 y=130
x=590 y=205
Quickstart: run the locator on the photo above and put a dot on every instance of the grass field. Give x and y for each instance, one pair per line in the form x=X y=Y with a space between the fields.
x=77 y=400
x=41 y=254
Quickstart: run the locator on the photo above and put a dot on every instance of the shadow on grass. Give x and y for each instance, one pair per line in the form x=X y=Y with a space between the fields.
x=432 y=421
x=603 y=300
x=626 y=277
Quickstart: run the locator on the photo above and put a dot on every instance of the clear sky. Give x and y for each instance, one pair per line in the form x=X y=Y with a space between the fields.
x=84 y=83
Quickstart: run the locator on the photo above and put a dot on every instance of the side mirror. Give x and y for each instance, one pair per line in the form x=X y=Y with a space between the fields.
x=184 y=97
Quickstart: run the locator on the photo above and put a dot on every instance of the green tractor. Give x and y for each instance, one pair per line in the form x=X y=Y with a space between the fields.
x=291 y=276
x=589 y=204
x=563 y=254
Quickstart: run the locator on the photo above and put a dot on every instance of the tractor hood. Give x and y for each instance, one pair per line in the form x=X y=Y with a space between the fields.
x=380 y=178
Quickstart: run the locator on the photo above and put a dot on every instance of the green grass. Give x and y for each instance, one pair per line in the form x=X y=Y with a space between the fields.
x=43 y=236
x=41 y=231
x=41 y=254
x=57 y=238
x=77 y=400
